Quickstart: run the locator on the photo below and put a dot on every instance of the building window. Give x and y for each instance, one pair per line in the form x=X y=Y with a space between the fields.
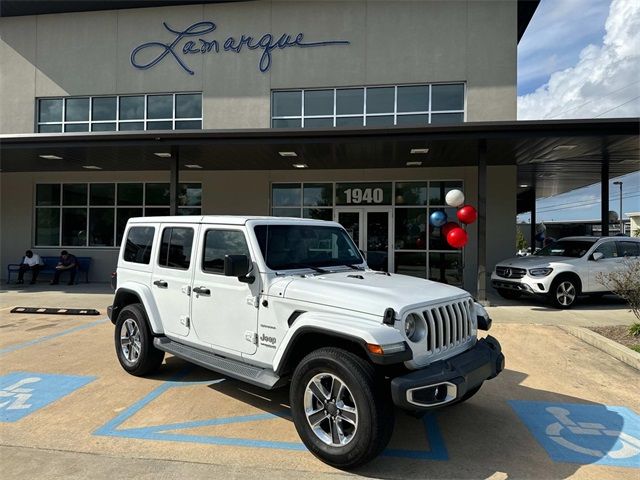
x=96 y=214
x=406 y=105
x=170 y=111
x=302 y=200
x=418 y=248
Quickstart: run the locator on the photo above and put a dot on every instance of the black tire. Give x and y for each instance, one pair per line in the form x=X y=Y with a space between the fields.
x=509 y=294
x=371 y=400
x=564 y=292
x=148 y=357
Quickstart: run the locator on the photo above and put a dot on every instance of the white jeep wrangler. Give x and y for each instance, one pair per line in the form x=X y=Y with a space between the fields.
x=279 y=301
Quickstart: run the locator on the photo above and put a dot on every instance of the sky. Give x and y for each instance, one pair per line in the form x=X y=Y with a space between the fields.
x=581 y=59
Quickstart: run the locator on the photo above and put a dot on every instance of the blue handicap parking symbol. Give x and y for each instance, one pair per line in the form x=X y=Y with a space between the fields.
x=22 y=393
x=174 y=432
x=584 y=434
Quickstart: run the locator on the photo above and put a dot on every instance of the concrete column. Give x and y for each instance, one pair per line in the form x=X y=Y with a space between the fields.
x=533 y=215
x=604 y=194
x=481 y=290
x=174 y=181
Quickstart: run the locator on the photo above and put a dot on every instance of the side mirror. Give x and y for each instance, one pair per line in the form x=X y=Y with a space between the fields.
x=238 y=266
x=597 y=256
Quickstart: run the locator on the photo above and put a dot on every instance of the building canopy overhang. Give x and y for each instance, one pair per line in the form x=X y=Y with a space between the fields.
x=552 y=157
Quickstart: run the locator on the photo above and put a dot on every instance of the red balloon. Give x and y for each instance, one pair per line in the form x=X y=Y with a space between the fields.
x=467 y=214
x=457 y=237
x=447 y=227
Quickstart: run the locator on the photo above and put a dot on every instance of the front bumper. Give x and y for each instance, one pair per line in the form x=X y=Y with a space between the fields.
x=448 y=380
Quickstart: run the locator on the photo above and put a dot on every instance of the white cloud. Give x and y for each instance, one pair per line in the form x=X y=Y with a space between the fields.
x=605 y=82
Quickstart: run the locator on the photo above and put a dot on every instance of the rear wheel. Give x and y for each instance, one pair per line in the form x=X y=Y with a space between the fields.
x=134 y=342
x=563 y=292
x=509 y=294
x=340 y=408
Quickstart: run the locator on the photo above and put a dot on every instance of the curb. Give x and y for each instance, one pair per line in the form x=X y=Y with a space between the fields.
x=608 y=346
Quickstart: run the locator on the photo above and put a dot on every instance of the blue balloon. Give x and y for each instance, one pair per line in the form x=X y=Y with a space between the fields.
x=438 y=218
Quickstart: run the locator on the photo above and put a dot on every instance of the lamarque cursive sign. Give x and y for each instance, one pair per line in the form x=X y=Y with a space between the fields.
x=267 y=43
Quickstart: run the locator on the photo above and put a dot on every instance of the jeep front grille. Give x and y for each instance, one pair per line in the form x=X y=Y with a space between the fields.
x=510 y=272
x=449 y=325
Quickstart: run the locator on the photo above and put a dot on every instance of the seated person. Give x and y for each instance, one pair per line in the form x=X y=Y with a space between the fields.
x=67 y=263
x=30 y=261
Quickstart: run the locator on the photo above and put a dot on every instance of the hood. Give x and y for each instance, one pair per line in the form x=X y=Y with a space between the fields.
x=533 y=261
x=369 y=292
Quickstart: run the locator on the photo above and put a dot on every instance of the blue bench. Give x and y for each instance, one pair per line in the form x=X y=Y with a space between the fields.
x=84 y=263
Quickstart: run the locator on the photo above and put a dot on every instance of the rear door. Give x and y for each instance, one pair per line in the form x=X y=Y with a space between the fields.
x=224 y=310
x=172 y=274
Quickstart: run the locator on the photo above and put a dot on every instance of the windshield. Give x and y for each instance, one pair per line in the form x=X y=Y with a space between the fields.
x=306 y=246
x=566 y=248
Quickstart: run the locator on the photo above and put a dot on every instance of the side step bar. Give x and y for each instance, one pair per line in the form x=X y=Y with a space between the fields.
x=233 y=368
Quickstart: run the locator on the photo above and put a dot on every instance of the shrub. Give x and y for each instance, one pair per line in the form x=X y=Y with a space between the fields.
x=625 y=283
x=634 y=329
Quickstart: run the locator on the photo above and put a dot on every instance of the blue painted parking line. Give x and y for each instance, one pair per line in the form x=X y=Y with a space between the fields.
x=23 y=393
x=35 y=341
x=584 y=434
x=170 y=432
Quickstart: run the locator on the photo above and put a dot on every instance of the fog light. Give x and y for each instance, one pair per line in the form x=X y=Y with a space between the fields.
x=430 y=395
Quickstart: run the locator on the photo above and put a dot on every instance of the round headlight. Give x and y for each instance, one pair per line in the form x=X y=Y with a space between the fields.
x=410 y=326
x=415 y=327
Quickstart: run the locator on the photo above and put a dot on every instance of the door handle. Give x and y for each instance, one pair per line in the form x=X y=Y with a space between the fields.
x=161 y=284
x=202 y=291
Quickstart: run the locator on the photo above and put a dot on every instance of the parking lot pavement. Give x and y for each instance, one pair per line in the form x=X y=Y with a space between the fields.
x=587 y=312
x=560 y=409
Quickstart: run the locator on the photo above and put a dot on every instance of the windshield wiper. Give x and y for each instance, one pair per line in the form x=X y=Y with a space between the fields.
x=305 y=265
x=353 y=266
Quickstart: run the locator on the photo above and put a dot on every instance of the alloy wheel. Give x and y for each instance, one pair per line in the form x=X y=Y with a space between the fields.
x=130 y=340
x=566 y=293
x=330 y=410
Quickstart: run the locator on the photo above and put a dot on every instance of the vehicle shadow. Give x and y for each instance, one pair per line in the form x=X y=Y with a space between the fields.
x=481 y=437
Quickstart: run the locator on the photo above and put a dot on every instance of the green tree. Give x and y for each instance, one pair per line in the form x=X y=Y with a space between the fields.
x=521 y=242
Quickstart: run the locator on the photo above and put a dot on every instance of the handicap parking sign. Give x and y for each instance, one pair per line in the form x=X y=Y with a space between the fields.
x=585 y=434
x=22 y=393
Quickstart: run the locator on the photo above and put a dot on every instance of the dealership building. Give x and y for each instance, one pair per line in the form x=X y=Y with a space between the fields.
x=366 y=112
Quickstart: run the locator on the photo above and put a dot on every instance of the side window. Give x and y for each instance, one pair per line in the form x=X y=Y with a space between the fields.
x=138 y=245
x=608 y=249
x=628 y=249
x=175 y=248
x=217 y=244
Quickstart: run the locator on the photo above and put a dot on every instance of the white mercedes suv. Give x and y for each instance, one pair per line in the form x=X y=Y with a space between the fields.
x=564 y=269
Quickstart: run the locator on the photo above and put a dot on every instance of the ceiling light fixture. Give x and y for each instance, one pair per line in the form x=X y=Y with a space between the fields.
x=523 y=185
x=163 y=154
x=193 y=166
x=300 y=165
x=414 y=164
x=50 y=157
x=288 y=154
x=415 y=151
x=91 y=167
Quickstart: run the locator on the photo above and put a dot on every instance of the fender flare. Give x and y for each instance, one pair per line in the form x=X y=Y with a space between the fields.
x=146 y=298
x=344 y=327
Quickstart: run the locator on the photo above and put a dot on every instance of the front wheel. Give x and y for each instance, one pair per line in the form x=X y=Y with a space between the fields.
x=563 y=293
x=340 y=408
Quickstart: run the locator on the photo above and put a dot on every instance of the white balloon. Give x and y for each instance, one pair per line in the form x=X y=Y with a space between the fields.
x=454 y=198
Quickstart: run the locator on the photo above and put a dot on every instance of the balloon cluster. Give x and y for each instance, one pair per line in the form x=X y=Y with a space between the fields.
x=455 y=235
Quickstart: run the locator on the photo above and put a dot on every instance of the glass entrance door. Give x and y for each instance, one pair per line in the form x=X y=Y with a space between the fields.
x=370 y=229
